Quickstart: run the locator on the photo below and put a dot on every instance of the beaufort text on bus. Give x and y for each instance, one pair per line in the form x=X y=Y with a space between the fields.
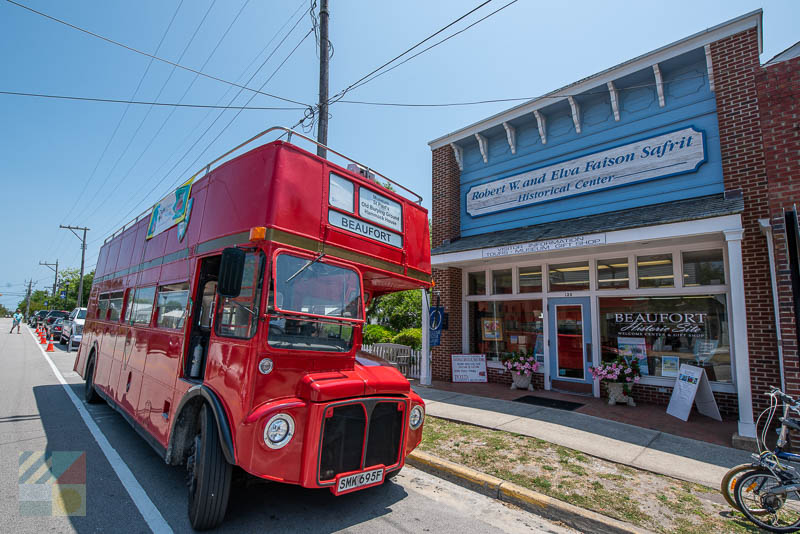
x=225 y=324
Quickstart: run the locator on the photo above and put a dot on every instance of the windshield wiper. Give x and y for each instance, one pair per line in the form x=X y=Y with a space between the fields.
x=304 y=267
x=242 y=306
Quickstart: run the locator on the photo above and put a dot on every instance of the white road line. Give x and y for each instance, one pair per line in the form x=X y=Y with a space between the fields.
x=146 y=507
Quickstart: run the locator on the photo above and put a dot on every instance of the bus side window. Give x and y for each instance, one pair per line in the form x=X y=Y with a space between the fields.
x=102 y=306
x=172 y=300
x=115 y=306
x=238 y=317
x=143 y=302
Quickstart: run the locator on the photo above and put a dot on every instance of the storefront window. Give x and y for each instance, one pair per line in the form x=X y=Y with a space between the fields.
x=665 y=332
x=476 y=283
x=530 y=279
x=501 y=282
x=703 y=268
x=612 y=274
x=569 y=276
x=655 y=270
x=501 y=327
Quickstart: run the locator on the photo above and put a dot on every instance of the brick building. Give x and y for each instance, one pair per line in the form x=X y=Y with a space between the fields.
x=642 y=212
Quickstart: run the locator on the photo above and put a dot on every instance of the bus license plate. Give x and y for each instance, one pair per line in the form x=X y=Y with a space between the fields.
x=345 y=483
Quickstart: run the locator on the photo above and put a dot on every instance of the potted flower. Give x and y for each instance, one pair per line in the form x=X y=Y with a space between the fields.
x=620 y=375
x=522 y=367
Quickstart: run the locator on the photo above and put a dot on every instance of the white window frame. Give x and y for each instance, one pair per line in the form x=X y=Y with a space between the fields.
x=628 y=250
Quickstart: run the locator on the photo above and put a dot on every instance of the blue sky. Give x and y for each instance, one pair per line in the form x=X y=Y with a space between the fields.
x=90 y=164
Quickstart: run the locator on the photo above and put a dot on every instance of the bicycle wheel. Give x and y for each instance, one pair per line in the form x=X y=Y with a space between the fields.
x=773 y=512
x=728 y=483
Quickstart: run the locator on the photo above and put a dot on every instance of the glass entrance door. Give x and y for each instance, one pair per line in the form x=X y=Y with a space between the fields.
x=570 y=328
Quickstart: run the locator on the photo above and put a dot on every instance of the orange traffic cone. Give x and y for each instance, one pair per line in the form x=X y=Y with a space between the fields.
x=42 y=340
x=50 y=347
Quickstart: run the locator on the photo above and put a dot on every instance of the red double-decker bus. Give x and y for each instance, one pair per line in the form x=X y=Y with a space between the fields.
x=225 y=325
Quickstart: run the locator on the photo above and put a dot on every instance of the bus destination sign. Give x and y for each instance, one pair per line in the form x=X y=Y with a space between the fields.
x=351 y=224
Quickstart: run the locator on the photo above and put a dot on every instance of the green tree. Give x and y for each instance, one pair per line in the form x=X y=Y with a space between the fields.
x=68 y=280
x=397 y=311
x=4 y=311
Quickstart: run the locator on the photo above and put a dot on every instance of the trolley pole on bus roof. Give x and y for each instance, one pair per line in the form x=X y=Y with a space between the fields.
x=322 y=127
x=83 y=256
x=55 y=279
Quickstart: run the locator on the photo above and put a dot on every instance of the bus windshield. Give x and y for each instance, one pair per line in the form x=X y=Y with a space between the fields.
x=312 y=287
x=305 y=286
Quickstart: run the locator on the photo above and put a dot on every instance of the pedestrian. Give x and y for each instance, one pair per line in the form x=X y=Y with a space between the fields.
x=17 y=320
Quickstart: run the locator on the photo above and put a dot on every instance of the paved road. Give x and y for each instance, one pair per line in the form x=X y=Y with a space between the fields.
x=36 y=414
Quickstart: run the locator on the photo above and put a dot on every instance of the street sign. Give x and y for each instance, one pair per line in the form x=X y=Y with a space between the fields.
x=63 y=294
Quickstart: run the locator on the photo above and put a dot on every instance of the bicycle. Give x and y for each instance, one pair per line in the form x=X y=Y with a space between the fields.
x=768 y=493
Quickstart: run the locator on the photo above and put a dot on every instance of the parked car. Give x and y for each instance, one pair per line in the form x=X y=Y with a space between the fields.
x=54 y=330
x=52 y=316
x=39 y=317
x=72 y=328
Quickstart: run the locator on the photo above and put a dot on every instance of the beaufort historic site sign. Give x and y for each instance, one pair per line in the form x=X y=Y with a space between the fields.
x=655 y=157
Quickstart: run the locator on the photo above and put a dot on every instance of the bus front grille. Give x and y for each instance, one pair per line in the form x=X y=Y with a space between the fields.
x=378 y=425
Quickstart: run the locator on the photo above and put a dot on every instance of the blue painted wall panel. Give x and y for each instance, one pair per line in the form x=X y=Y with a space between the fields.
x=688 y=102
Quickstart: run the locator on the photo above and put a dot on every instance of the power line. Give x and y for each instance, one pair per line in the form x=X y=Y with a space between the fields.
x=194 y=80
x=363 y=82
x=148 y=103
x=152 y=56
x=352 y=85
x=124 y=219
x=125 y=150
x=362 y=102
x=122 y=118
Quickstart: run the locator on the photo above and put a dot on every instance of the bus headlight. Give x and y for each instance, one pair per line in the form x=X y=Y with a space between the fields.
x=278 y=431
x=416 y=417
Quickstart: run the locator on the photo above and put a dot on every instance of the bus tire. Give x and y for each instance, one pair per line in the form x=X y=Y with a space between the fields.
x=89 y=393
x=390 y=476
x=209 y=475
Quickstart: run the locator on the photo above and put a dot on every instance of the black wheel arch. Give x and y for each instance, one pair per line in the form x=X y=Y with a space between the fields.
x=185 y=425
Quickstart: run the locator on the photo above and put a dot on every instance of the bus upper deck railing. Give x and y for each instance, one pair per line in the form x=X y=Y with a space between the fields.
x=207 y=168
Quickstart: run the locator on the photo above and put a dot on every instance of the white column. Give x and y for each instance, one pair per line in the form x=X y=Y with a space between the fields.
x=425 y=364
x=737 y=311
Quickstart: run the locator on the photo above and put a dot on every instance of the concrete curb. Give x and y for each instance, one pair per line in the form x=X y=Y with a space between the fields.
x=542 y=505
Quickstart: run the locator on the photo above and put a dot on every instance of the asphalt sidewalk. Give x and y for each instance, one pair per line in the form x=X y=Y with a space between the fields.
x=642 y=448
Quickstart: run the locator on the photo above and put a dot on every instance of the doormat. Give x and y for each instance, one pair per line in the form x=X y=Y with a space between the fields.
x=549 y=403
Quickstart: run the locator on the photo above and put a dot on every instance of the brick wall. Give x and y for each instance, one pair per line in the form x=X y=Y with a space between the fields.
x=446 y=224
x=727 y=402
x=736 y=65
x=445 y=197
x=778 y=89
x=448 y=284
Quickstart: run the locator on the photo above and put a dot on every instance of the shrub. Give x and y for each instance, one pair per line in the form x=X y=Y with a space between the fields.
x=375 y=333
x=411 y=337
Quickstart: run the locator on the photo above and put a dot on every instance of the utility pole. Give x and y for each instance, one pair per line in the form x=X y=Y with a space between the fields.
x=28 y=303
x=55 y=280
x=322 y=127
x=83 y=256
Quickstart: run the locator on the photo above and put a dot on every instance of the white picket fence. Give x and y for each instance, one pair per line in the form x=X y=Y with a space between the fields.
x=403 y=357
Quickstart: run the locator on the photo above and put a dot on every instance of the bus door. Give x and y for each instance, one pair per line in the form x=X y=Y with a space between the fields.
x=164 y=350
x=122 y=342
x=202 y=314
x=235 y=325
x=132 y=371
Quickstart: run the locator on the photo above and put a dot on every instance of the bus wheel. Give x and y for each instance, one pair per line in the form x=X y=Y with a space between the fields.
x=89 y=393
x=209 y=476
x=390 y=476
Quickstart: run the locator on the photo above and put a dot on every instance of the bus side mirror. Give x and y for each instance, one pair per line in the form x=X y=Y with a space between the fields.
x=231 y=270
